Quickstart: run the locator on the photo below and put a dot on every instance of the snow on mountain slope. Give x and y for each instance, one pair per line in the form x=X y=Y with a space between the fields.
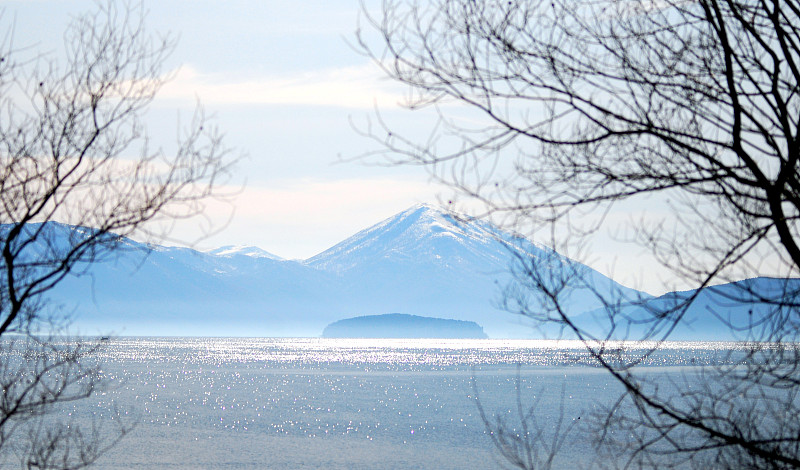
x=242 y=250
x=421 y=234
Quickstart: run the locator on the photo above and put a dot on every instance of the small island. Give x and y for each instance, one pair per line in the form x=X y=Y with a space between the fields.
x=400 y=325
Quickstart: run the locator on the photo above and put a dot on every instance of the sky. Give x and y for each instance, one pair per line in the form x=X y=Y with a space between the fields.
x=286 y=85
x=287 y=88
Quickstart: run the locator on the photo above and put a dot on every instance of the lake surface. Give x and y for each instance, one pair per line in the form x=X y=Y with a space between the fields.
x=245 y=403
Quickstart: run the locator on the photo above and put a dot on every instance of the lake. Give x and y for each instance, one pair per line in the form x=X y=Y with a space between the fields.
x=254 y=403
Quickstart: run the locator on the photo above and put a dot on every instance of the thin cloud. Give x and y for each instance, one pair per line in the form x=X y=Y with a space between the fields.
x=350 y=87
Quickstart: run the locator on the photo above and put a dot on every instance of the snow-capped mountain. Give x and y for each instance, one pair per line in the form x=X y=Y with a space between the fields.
x=430 y=262
x=422 y=261
x=419 y=235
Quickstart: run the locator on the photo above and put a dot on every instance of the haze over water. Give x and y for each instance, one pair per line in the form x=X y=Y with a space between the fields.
x=243 y=403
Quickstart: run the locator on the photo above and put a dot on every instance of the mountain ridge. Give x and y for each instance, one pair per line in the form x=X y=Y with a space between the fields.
x=422 y=261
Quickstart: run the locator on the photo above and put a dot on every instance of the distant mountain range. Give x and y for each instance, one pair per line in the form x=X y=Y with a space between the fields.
x=726 y=312
x=422 y=261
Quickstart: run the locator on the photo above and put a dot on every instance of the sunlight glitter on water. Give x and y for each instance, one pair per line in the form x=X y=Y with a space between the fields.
x=307 y=403
x=402 y=353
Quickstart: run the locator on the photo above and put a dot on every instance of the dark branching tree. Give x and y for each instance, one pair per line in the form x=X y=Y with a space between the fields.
x=73 y=150
x=558 y=112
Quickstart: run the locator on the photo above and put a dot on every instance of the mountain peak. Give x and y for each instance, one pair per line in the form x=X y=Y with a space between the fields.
x=424 y=207
x=421 y=232
x=428 y=215
x=416 y=211
x=242 y=250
